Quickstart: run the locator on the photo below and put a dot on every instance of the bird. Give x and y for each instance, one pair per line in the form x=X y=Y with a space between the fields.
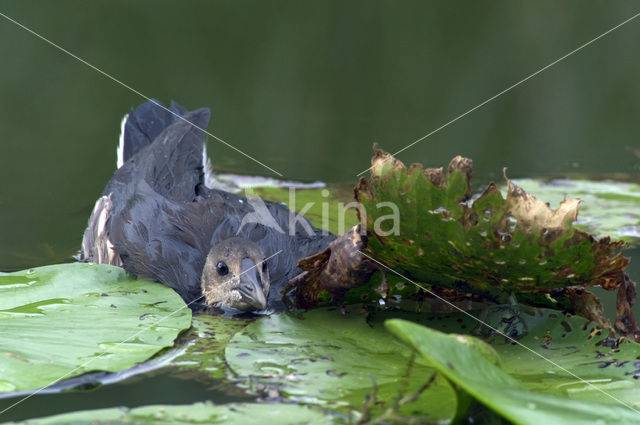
x=158 y=219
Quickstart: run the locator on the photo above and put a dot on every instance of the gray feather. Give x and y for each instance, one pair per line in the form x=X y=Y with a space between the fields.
x=160 y=220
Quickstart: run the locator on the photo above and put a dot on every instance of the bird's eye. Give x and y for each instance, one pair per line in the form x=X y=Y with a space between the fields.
x=264 y=266
x=222 y=268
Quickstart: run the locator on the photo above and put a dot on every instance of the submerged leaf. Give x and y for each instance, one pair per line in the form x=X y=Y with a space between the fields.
x=64 y=320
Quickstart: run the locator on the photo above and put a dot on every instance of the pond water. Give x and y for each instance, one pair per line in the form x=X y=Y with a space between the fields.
x=154 y=388
x=305 y=88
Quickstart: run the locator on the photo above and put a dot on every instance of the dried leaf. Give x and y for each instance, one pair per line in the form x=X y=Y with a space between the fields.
x=335 y=270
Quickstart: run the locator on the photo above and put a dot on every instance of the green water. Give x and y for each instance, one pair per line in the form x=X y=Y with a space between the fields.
x=154 y=388
x=306 y=88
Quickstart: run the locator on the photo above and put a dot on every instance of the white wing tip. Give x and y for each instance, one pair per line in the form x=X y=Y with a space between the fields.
x=209 y=179
x=120 y=150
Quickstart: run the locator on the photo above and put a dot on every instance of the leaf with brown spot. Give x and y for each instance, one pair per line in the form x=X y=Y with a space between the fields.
x=493 y=246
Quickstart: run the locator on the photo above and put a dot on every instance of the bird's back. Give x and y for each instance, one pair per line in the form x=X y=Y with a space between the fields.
x=157 y=219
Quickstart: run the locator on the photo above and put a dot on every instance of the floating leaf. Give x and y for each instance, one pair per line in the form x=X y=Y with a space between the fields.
x=64 y=320
x=580 y=349
x=205 y=342
x=608 y=208
x=490 y=246
x=193 y=414
x=326 y=208
x=602 y=362
x=466 y=367
x=331 y=359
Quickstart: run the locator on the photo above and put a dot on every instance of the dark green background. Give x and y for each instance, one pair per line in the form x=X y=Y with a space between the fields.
x=307 y=87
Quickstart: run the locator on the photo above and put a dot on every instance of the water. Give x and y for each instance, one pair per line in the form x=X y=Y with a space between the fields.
x=155 y=388
x=305 y=88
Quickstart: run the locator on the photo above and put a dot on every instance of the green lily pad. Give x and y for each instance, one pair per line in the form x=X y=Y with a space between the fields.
x=326 y=208
x=466 y=367
x=64 y=320
x=326 y=358
x=608 y=208
x=204 y=344
x=602 y=362
x=578 y=346
x=199 y=413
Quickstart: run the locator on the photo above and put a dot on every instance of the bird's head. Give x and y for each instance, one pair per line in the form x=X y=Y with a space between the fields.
x=235 y=276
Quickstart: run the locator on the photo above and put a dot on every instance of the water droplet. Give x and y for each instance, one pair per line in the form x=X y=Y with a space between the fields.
x=522 y=261
x=516 y=244
x=483 y=233
x=542 y=262
x=400 y=286
x=439 y=210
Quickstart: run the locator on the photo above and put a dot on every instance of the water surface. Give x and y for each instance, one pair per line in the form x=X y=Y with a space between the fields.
x=305 y=87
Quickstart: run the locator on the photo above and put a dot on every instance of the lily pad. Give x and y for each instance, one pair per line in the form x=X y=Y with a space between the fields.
x=489 y=246
x=576 y=346
x=326 y=358
x=199 y=413
x=608 y=368
x=466 y=367
x=205 y=342
x=327 y=208
x=64 y=320
x=608 y=208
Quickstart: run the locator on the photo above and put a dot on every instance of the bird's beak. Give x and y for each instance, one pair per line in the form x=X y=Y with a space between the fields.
x=251 y=287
